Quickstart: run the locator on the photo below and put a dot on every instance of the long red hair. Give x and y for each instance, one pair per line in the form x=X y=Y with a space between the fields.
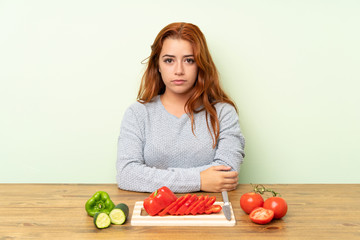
x=207 y=88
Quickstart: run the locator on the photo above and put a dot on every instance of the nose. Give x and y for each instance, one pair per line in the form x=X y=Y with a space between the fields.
x=179 y=70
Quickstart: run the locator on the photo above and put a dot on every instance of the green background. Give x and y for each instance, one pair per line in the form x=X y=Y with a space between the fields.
x=69 y=69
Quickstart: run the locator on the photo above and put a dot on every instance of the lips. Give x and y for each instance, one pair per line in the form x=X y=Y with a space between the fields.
x=178 y=81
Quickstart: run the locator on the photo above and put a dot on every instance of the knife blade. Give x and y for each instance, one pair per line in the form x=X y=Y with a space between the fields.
x=226 y=206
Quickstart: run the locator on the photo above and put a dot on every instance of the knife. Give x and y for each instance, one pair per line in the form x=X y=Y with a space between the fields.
x=226 y=206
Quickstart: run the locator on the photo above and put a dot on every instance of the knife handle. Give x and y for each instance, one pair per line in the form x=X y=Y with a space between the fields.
x=225 y=196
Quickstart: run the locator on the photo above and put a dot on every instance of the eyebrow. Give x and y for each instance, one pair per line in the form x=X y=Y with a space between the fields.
x=168 y=55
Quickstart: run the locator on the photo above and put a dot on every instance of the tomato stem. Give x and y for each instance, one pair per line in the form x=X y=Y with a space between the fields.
x=259 y=188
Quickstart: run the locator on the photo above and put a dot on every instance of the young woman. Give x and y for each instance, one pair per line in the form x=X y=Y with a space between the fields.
x=183 y=132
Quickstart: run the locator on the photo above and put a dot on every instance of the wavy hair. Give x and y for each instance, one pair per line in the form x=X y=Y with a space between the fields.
x=207 y=88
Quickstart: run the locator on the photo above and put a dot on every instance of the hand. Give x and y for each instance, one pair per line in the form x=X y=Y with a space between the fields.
x=218 y=179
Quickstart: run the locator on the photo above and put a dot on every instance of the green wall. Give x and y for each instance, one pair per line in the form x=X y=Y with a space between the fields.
x=69 y=69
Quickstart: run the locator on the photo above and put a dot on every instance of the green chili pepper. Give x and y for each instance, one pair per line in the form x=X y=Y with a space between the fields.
x=99 y=202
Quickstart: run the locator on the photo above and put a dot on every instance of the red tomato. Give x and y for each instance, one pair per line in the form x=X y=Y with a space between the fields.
x=250 y=201
x=278 y=205
x=261 y=215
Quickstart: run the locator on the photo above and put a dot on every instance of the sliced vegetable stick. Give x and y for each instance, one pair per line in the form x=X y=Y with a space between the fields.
x=201 y=205
x=185 y=206
x=195 y=209
x=210 y=202
x=213 y=209
x=166 y=210
x=173 y=210
x=188 y=211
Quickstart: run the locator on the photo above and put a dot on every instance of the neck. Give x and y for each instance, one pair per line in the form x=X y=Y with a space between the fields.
x=175 y=103
x=178 y=100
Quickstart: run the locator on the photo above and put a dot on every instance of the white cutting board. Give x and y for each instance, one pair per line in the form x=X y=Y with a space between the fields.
x=141 y=218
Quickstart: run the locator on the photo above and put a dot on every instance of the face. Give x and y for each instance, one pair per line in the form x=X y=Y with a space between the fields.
x=177 y=67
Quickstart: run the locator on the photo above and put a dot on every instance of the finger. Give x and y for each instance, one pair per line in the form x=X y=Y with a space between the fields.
x=229 y=187
x=232 y=174
x=230 y=181
x=222 y=168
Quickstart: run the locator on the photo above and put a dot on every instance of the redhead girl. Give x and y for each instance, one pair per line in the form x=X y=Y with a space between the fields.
x=183 y=132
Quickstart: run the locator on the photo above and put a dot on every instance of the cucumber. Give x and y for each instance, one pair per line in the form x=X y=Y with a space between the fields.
x=119 y=214
x=102 y=220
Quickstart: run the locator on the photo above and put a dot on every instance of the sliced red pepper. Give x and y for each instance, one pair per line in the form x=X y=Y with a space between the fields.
x=159 y=200
x=163 y=201
x=188 y=211
x=210 y=202
x=213 y=209
x=173 y=210
x=185 y=206
x=216 y=208
x=166 y=210
x=201 y=205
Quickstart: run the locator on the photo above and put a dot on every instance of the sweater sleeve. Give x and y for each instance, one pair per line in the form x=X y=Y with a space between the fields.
x=231 y=142
x=132 y=172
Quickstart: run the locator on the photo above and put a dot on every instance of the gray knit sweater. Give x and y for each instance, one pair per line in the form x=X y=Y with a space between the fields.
x=155 y=148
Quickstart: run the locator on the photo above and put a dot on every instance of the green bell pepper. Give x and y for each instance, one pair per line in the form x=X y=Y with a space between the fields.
x=99 y=202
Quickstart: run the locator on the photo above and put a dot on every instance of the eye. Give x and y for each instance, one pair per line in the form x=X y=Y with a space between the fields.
x=168 y=60
x=190 y=60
